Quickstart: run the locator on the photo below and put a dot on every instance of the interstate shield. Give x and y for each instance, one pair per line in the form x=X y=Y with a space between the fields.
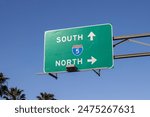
x=77 y=50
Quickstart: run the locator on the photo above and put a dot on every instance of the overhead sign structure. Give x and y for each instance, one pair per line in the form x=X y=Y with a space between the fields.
x=88 y=47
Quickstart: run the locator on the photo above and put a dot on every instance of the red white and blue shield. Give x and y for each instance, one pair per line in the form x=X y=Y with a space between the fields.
x=77 y=50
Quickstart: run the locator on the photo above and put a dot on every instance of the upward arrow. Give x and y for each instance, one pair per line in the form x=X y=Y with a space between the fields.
x=91 y=35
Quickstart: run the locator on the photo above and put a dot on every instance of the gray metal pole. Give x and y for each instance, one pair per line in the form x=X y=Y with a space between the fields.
x=131 y=36
x=132 y=55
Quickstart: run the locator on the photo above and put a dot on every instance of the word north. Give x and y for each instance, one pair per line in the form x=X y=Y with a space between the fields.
x=69 y=38
x=59 y=63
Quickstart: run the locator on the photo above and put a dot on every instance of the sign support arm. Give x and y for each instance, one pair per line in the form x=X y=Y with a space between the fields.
x=54 y=76
x=132 y=55
x=97 y=71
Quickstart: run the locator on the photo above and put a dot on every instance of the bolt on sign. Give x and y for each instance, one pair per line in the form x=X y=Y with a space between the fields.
x=88 y=47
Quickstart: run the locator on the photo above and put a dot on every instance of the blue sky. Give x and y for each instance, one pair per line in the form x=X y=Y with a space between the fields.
x=22 y=27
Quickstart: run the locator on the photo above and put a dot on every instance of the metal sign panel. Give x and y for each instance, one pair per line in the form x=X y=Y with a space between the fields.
x=88 y=47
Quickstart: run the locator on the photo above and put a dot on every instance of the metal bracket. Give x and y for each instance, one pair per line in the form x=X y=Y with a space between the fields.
x=97 y=71
x=53 y=75
x=130 y=37
x=120 y=42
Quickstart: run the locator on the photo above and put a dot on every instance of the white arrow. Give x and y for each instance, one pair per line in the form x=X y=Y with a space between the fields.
x=92 y=60
x=91 y=35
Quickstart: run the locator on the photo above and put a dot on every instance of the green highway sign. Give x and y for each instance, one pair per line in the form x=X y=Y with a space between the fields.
x=88 y=47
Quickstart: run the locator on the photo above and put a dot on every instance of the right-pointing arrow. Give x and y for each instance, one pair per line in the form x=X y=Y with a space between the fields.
x=92 y=60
